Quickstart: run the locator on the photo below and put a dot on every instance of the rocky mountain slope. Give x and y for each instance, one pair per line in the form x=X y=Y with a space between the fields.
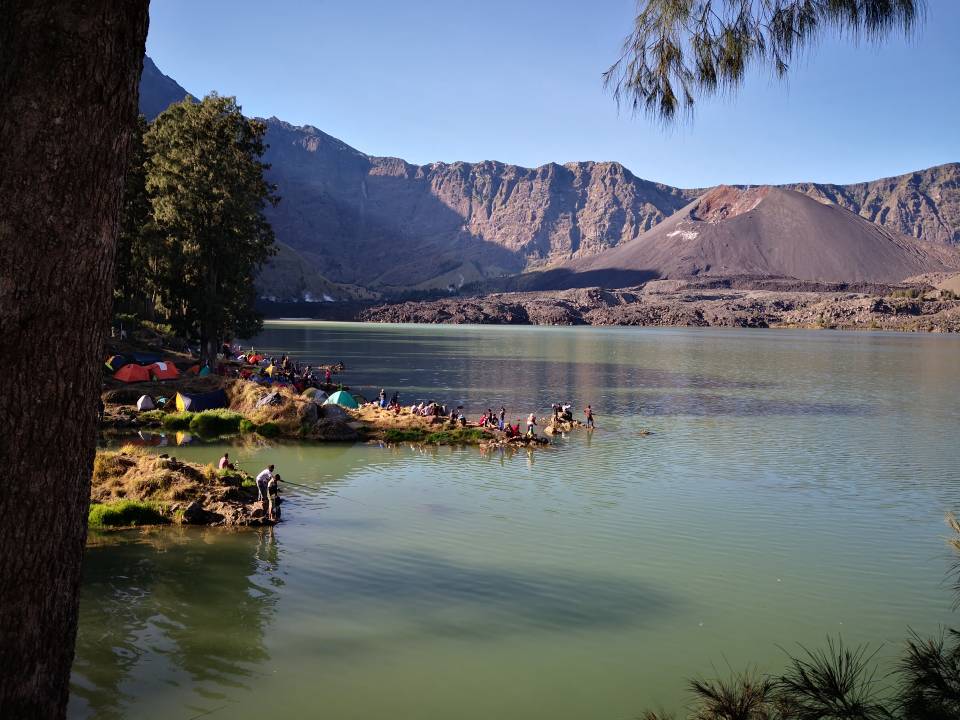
x=387 y=225
x=923 y=204
x=766 y=232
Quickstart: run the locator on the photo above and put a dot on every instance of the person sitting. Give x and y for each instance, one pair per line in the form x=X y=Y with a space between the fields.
x=225 y=463
x=395 y=400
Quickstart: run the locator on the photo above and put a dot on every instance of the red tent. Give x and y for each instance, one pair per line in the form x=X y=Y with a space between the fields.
x=163 y=371
x=133 y=373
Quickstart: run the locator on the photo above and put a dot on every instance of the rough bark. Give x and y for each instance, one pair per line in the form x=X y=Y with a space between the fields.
x=68 y=103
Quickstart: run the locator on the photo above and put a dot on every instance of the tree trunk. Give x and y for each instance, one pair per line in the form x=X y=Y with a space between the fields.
x=69 y=73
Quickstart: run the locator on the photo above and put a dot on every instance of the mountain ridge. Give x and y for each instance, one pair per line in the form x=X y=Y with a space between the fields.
x=388 y=225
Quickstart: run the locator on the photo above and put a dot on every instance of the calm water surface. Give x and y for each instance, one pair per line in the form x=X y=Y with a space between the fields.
x=793 y=486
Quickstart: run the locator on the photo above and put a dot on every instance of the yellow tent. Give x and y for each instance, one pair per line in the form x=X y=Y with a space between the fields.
x=181 y=402
x=270 y=370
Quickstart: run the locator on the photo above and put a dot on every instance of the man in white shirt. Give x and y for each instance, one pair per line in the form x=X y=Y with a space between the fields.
x=263 y=480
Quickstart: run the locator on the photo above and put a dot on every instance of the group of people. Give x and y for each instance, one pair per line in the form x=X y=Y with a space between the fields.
x=268 y=488
x=271 y=370
x=494 y=421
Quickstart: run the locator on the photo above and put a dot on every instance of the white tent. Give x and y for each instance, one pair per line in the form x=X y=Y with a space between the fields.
x=145 y=403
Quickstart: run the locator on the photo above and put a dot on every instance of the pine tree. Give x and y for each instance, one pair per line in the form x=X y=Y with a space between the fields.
x=680 y=49
x=207 y=191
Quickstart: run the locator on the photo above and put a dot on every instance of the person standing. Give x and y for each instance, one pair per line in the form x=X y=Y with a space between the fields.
x=273 y=494
x=263 y=480
x=588 y=411
x=531 y=424
x=502 y=418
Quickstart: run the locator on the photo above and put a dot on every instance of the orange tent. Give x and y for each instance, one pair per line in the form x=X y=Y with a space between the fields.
x=133 y=373
x=163 y=371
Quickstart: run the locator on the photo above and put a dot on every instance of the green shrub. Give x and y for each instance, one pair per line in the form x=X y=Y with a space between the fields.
x=125 y=513
x=178 y=421
x=152 y=416
x=399 y=435
x=247 y=426
x=215 y=422
x=460 y=436
x=268 y=429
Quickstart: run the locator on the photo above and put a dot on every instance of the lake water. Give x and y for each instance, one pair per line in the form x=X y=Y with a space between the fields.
x=794 y=486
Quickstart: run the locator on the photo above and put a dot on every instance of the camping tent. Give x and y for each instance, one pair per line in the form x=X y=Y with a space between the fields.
x=202 y=401
x=343 y=399
x=145 y=403
x=132 y=372
x=315 y=395
x=163 y=371
x=192 y=370
x=146 y=358
x=115 y=362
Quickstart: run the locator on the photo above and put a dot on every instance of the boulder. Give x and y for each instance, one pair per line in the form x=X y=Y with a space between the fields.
x=334 y=430
x=333 y=412
x=273 y=398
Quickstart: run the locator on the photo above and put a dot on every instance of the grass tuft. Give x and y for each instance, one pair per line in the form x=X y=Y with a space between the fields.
x=215 y=422
x=400 y=435
x=125 y=513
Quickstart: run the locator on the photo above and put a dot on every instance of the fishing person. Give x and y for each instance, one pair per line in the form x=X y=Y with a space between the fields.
x=263 y=480
x=273 y=494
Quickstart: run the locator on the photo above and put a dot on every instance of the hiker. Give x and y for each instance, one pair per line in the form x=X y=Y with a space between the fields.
x=502 y=418
x=273 y=494
x=263 y=479
x=225 y=463
x=531 y=424
x=588 y=411
x=383 y=398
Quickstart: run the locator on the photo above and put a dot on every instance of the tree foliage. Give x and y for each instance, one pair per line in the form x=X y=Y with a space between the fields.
x=195 y=234
x=682 y=49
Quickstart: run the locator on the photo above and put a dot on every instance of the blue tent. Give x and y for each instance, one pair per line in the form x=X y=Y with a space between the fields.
x=203 y=401
x=146 y=358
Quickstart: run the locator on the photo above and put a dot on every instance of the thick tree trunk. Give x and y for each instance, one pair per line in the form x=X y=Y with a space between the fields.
x=68 y=102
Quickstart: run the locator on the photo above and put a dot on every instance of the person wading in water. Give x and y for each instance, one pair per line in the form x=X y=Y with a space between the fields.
x=588 y=411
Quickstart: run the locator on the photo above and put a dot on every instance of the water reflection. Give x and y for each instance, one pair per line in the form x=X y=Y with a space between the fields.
x=204 y=597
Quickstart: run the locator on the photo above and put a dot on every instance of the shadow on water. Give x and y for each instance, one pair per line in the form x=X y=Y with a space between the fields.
x=442 y=598
x=203 y=598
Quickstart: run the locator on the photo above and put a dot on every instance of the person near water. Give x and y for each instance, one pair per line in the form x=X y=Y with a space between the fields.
x=327 y=376
x=263 y=479
x=225 y=463
x=383 y=398
x=531 y=424
x=273 y=495
x=502 y=418
x=588 y=411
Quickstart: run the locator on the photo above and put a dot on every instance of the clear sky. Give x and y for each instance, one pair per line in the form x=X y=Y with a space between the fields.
x=519 y=81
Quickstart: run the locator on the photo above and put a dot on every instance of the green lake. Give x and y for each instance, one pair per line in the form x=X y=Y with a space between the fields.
x=793 y=486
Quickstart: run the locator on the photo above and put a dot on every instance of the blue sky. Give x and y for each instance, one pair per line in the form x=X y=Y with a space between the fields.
x=519 y=82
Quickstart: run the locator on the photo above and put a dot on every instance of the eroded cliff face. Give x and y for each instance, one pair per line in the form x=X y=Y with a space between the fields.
x=382 y=222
